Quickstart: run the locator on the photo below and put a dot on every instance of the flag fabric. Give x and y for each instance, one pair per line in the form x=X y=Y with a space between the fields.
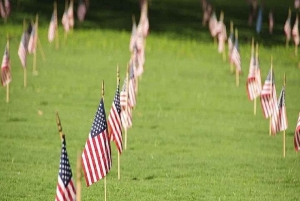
x=81 y=10
x=22 y=51
x=96 y=156
x=5 y=67
x=114 y=122
x=259 y=20
x=213 y=25
x=268 y=97
x=287 y=28
x=251 y=82
x=131 y=87
x=132 y=43
x=2 y=10
x=71 y=15
x=52 y=27
x=295 y=32
x=32 y=40
x=230 y=43
x=271 y=22
x=65 y=190
x=235 y=56
x=65 y=21
x=126 y=111
x=222 y=37
x=297 y=136
x=282 y=117
x=297 y=4
x=257 y=77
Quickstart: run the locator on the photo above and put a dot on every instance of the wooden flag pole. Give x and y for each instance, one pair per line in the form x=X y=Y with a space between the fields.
x=7 y=85
x=237 y=73
x=224 y=49
x=126 y=108
x=296 y=45
x=24 y=68
x=34 y=72
x=105 y=176
x=287 y=40
x=59 y=127
x=256 y=58
x=231 y=31
x=283 y=136
x=270 y=124
x=56 y=28
x=118 y=83
x=78 y=177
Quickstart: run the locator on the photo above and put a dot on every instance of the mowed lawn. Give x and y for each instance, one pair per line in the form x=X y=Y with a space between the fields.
x=194 y=134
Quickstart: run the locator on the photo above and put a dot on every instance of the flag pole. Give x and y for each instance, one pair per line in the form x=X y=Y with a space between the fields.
x=78 y=177
x=34 y=72
x=59 y=127
x=118 y=83
x=66 y=10
x=270 y=124
x=224 y=49
x=7 y=85
x=105 y=176
x=56 y=23
x=38 y=38
x=237 y=73
x=126 y=108
x=231 y=31
x=24 y=68
x=296 y=45
x=256 y=58
x=283 y=136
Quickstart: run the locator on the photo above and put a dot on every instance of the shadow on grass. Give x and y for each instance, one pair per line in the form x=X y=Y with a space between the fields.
x=175 y=18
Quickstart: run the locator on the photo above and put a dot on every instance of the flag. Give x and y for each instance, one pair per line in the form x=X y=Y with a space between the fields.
x=132 y=42
x=271 y=22
x=5 y=67
x=297 y=136
x=65 y=190
x=213 y=25
x=114 y=122
x=259 y=20
x=144 y=21
x=230 y=43
x=257 y=76
x=81 y=10
x=32 y=39
x=235 y=56
x=222 y=37
x=131 y=87
x=251 y=82
x=96 y=156
x=283 y=123
x=268 y=96
x=2 y=10
x=22 y=51
x=65 y=21
x=52 y=27
x=7 y=7
x=287 y=28
x=295 y=32
x=297 y=4
x=71 y=15
x=126 y=111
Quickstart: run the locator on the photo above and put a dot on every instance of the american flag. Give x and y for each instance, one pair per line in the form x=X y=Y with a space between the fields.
x=114 y=122
x=230 y=43
x=81 y=10
x=287 y=28
x=52 y=27
x=213 y=25
x=271 y=22
x=65 y=190
x=222 y=37
x=131 y=87
x=5 y=67
x=96 y=156
x=7 y=7
x=268 y=97
x=71 y=15
x=297 y=135
x=257 y=76
x=235 y=56
x=282 y=117
x=295 y=32
x=22 y=51
x=32 y=40
x=65 y=21
x=251 y=82
x=132 y=43
x=2 y=10
x=126 y=111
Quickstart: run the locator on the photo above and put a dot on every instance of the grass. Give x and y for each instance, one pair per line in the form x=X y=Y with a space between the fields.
x=194 y=135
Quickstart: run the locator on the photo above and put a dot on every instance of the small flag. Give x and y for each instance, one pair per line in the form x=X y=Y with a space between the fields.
x=283 y=123
x=65 y=21
x=297 y=136
x=259 y=20
x=32 y=40
x=213 y=25
x=52 y=27
x=126 y=112
x=251 y=82
x=5 y=67
x=230 y=43
x=96 y=156
x=235 y=56
x=268 y=97
x=81 y=10
x=65 y=186
x=114 y=122
x=295 y=32
x=132 y=43
x=287 y=28
x=222 y=37
x=71 y=15
x=271 y=22
x=131 y=88
x=7 y=7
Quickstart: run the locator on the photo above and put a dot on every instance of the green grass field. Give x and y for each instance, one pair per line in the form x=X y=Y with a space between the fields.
x=194 y=135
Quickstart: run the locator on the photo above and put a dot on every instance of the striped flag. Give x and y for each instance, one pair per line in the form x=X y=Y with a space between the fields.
x=295 y=32
x=213 y=25
x=22 y=51
x=32 y=40
x=52 y=27
x=131 y=87
x=257 y=76
x=222 y=37
x=230 y=43
x=71 y=14
x=282 y=117
x=65 y=21
x=235 y=56
x=132 y=43
x=268 y=97
x=65 y=190
x=251 y=82
x=287 y=28
x=7 y=7
x=5 y=67
x=81 y=10
x=297 y=136
x=96 y=156
x=126 y=112
x=2 y=10
x=271 y=22
x=114 y=122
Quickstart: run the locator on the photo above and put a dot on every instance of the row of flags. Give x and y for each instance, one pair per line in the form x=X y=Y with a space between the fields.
x=96 y=159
